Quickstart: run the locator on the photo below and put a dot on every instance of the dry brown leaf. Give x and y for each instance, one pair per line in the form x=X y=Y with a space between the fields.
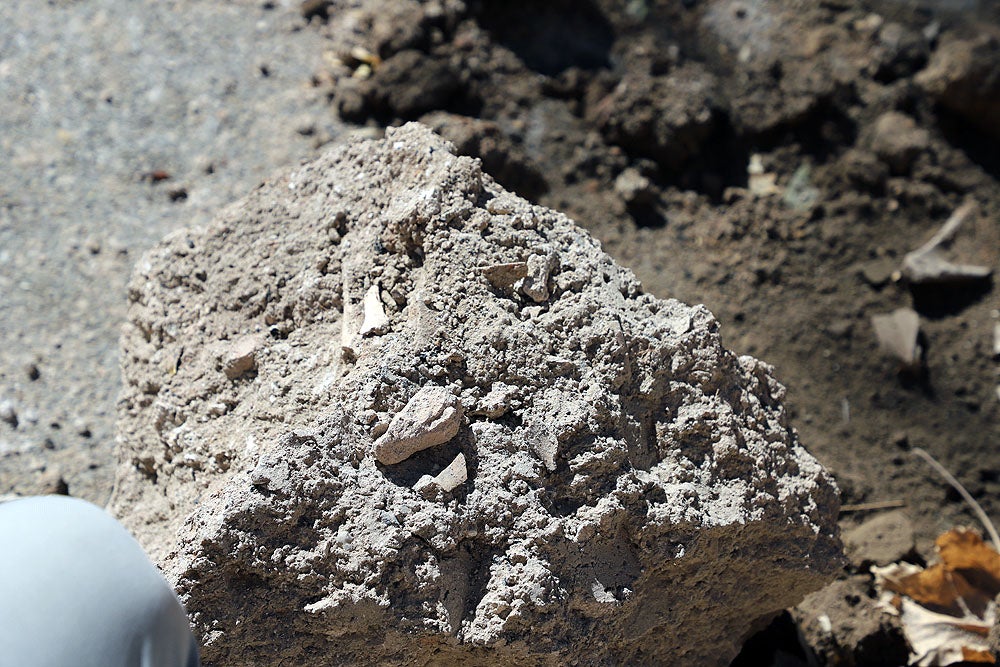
x=969 y=655
x=947 y=609
x=965 y=551
x=936 y=588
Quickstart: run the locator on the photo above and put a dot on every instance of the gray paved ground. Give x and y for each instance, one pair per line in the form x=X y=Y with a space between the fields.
x=93 y=95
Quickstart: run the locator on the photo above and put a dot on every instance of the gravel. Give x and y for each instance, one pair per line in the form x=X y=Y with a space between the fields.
x=120 y=122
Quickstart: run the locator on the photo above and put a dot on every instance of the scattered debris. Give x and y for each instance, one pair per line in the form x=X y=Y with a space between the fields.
x=928 y=264
x=430 y=418
x=898 y=334
x=759 y=182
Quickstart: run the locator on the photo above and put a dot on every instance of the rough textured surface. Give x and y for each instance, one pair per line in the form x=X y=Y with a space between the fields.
x=634 y=491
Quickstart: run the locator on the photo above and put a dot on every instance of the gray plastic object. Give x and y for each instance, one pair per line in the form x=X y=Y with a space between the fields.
x=76 y=590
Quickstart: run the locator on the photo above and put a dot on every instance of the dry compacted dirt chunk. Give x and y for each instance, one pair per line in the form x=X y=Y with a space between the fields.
x=524 y=460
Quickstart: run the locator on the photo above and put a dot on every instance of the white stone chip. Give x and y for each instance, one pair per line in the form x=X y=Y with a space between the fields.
x=430 y=418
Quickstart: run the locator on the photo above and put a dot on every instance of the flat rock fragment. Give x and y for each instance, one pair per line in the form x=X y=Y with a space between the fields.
x=449 y=479
x=505 y=275
x=622 y=489
x=882 y=539
x=898 y=334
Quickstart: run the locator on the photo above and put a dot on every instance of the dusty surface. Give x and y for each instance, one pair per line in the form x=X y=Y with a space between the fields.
x=793 y=273
x=556 y=466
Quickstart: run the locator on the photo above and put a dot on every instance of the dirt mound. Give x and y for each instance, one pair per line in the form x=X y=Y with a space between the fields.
x=401 y=414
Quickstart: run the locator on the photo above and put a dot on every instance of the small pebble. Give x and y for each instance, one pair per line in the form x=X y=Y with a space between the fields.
x=82 y=428
x=31 y=370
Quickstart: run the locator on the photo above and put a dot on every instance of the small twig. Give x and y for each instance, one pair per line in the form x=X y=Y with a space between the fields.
x=877 y=505
x=947 y=231
x=976 y=507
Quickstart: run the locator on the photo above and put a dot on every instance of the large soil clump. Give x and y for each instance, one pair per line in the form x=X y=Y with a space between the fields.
x=383 y=411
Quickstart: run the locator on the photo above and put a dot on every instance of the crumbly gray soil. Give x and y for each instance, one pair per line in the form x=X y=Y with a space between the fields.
x=405 y=416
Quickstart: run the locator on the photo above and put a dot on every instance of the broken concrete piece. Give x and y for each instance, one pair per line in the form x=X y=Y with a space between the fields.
x=240 y=356
x=375 y=320
x=430 y=418
x=898 y=334
x=633 y=450
x=928 y=264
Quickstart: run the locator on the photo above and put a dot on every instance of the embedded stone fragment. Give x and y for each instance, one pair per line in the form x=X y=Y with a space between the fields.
x=449 y=479
x=430 y=418
x=375 y=320
x=240 y=356
x=536 y=283
x=505 y=275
